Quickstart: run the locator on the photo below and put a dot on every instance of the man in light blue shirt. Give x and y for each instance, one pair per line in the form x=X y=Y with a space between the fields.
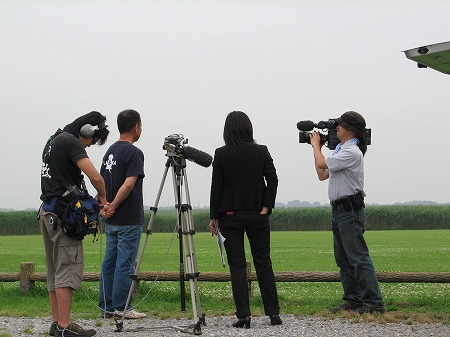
x=345 y=170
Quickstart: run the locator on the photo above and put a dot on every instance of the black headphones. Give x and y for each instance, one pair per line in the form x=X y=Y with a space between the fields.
x=88 y=130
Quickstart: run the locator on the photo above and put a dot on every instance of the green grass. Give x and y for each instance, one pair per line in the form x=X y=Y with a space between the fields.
x=402 y=251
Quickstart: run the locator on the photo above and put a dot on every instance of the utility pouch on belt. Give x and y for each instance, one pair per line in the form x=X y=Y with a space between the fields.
x=357 y=201
x=346 y=204
x=81 y=217
x=56 y=206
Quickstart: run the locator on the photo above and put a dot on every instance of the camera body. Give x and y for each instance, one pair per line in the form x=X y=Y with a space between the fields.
x=327 y=131
x=174 y=144
x=174 y=139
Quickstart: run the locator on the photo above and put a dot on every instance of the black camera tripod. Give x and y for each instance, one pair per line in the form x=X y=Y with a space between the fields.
x=188 y=262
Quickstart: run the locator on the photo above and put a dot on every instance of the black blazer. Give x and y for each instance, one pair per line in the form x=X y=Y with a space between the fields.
x=243 y=179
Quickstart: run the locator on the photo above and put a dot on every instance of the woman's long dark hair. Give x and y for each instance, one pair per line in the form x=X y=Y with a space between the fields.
x=238 y=129
x=93 y=118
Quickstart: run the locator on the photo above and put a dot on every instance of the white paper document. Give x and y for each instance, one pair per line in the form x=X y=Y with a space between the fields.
x=220 y=240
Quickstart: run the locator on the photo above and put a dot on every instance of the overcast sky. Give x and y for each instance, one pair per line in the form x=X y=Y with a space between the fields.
x=184 y=65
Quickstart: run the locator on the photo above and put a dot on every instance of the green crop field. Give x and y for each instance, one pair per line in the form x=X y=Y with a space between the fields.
x=282 y=219
x=391 y=250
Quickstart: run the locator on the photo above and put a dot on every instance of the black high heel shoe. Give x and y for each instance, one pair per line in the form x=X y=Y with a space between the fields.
x=242 y=322
x=275 y=320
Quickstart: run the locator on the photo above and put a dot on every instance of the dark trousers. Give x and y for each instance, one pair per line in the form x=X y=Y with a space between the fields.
x=257 y=228
x=358 y=275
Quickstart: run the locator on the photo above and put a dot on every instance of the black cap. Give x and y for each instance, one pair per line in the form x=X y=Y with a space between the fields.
x=354 y=122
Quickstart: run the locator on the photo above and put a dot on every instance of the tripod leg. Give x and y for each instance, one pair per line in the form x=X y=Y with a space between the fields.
x=191 y=259
x=177 y=187
x=119 y=323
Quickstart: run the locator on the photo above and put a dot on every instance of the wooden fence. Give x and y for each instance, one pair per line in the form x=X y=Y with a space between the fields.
x=27 y=276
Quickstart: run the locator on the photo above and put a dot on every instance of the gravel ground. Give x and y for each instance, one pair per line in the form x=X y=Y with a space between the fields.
x=221 y=326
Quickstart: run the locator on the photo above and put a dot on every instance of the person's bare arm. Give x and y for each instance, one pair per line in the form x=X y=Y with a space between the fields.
x=319 y=159
x=95 y=178
x=123 y=192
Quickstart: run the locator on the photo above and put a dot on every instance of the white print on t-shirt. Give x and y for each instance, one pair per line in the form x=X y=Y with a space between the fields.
x=45 y=172
x=110 y=162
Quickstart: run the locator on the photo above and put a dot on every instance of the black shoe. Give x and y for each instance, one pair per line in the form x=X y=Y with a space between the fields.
x=368 y=309
x=242 y=322
x=52 y=328
x=275 y=320
x=344 y=307
x=73 y=330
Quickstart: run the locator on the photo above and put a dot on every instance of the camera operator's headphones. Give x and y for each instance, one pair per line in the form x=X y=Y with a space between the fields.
x=88 y=130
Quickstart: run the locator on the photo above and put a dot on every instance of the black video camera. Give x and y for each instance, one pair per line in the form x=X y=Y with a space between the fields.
x=327 y=131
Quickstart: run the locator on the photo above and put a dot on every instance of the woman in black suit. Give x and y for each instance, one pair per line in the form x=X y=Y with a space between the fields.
x=243 y=189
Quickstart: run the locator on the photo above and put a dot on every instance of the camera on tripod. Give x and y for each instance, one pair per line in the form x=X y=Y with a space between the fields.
x=327 y=131
x=174 y=141
x=175 y=146
x=176 y=154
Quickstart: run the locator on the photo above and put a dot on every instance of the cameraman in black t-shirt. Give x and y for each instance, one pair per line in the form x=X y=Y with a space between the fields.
x=64 y=159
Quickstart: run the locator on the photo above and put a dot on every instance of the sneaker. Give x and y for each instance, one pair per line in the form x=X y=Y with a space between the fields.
x=368 y=309
x=73 y=330
x=52 y=328
x=130 y=314
x=344 y=307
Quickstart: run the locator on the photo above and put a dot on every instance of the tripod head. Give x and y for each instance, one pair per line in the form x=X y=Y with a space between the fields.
x=174 y=144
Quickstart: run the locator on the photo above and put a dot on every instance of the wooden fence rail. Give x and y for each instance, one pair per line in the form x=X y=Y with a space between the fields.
x=27 y=276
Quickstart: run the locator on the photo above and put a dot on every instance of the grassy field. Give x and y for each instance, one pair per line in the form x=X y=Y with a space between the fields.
x=405 y=250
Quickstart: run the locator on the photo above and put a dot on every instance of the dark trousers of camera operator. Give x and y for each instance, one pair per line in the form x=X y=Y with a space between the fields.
x=257 y=228
x=357 y=272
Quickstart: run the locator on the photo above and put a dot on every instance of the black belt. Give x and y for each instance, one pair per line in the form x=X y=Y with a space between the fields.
x=353 y=201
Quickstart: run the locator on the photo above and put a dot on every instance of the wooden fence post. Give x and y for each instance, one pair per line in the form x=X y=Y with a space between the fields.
x=26 y=284
x=137 y=287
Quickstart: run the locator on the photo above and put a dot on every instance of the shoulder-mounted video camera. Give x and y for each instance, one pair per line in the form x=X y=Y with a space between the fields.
x=326 y=130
